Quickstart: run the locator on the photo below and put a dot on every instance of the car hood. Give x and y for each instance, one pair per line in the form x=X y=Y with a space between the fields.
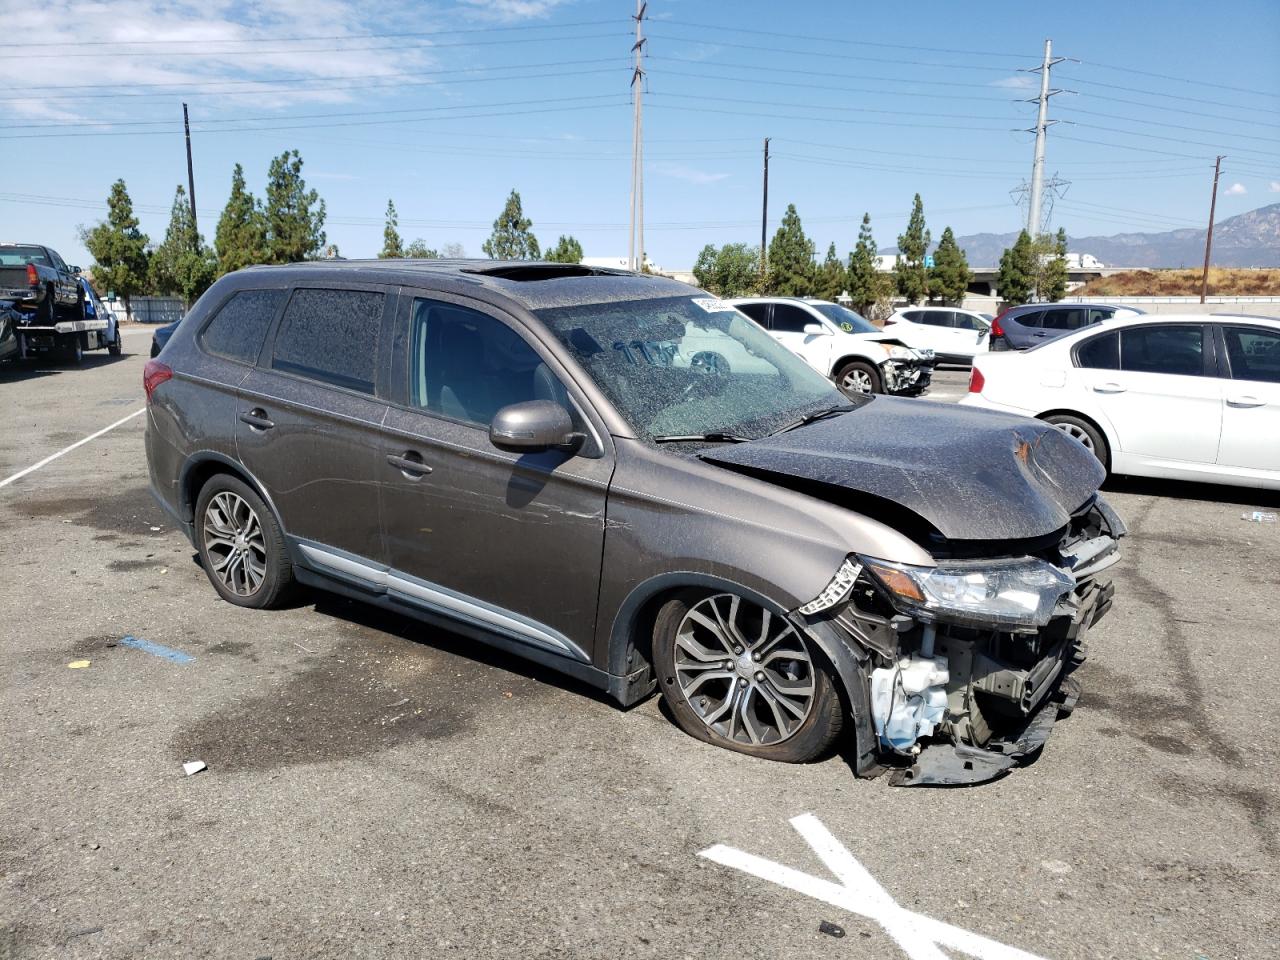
x=972 y=474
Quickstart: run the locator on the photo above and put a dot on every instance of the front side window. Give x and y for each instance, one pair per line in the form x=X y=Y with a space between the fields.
x=240 y=325
x=1098 y=314
x=1173 y=349
x=966 y=321
x=331 y=336
x=788 y=318
x=1254 y=353
x=844 y=318
x=688 y=366
x=467 y=365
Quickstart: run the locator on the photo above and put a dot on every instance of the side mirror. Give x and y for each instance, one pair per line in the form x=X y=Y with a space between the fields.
x=532 y=426
x=815 y=330
x=76 y=271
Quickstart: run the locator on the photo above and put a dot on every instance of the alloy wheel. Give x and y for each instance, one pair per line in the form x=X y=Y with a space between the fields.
x=234 y=543
x=744 y=671
x=1074 y=430
x=857 y=381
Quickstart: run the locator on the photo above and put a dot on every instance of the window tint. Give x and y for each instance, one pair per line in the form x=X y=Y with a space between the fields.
x=913 y=315
x=1178 y=350
x=1065 y=318
x=1029 y=319
x=331 y=335
x=788 y=318
x=759 y=312
x=1254 y=353
x=964 y=321
x=1097 y=314
x=936 y=318
x=237 y=330
x=468 y=365
x=1100 y=353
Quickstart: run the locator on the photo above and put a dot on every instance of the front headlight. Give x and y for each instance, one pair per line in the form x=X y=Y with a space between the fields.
x=1017 y=595
x=899 y=353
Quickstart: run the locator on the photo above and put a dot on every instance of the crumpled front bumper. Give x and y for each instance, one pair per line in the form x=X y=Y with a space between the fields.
x=906 y=377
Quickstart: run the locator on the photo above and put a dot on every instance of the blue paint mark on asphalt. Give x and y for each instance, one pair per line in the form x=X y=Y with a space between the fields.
x=177 y=656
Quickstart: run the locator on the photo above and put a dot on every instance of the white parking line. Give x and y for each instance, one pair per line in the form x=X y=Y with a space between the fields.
x=65 y=450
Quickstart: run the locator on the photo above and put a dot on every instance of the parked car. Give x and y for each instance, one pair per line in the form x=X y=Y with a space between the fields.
x=519 y=452
x=1022 y=327
x=953 y=335
x=849 y=350
x=36 y=280
x=1184 y=397
x=160 y=336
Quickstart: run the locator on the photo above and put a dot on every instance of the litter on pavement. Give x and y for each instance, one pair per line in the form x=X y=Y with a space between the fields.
x=1259 y=517
x=78 y=664
x=193 y=767
x=156 y=650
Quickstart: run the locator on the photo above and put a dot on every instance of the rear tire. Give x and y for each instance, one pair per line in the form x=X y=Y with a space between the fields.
x=1086 y=433
x=116 y=346
x=241 y=546
x=786 y=706
x=858 y=377
x=73 y=348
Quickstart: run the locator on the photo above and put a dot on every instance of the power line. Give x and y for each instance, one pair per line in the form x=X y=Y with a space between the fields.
x=1172 y=126
x=842 y=56
x=821 y=107
x=826 y=74
x=1165 y=76
x=1170 y=96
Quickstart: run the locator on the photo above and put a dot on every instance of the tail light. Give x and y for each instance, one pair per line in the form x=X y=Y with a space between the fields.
x=976 y=380
x=154 y=374
x=33 y=277
x=996 y=329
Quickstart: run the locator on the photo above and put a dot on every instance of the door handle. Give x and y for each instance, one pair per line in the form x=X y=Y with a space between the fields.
x=410 y=464
x=257 y=419
x=1108 y=388
x=1245 y=402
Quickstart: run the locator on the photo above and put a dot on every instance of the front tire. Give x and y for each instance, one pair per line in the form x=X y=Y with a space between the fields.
x=241 y=546
x=741 y=677
x=1085 y=432
x=858 y=378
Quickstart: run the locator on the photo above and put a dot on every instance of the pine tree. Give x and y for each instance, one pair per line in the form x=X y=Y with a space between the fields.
x=1051 y=284
x=731 y=271
x=1016 y=279
x=909 y=272
x=950 y=276
x=183 y=263
x=392 y=245
x=119 y=248
x=865 y=282
x=418 y=250
x=832 y=277
x=294 y=215
x=791 y=269
x=241 y=237
x=566 y=250
x=512 y=237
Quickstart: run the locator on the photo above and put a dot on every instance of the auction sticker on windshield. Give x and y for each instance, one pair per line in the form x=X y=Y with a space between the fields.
x=713 y=304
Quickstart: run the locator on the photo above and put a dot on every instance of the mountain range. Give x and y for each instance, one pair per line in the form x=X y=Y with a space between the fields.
x=1248 y=240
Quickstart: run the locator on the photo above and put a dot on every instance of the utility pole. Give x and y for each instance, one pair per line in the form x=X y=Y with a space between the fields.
x=191 y=179
x=1042 y=124
x=764 y=213
x=1208 y=239
x=637 y=145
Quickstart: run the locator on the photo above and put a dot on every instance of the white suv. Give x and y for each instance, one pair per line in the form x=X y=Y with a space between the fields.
x=955 y=336
x=855 y=354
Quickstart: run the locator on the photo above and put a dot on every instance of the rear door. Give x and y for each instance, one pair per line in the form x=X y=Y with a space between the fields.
x=1020 y=330
x=1251 y=398
x=307 y=416
x=510 y=542
x=1162 y=401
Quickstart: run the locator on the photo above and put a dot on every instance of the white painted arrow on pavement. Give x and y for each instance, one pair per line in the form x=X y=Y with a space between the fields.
x=920 y=937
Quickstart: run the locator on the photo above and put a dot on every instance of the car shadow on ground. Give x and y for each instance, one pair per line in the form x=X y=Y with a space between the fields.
x=1188 y=490
x=17 y=371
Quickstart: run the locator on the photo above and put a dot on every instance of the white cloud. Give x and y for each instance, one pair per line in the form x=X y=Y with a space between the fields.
x=689 y=174
x=1274 y=187
x=1236 y=190
x=507 y=11
x=1019 y=81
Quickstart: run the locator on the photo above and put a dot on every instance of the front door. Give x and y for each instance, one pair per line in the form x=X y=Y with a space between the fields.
x=512 y=543
x=307 y=417
x=1251 y=399
x=1163 y=402
x=787 y=326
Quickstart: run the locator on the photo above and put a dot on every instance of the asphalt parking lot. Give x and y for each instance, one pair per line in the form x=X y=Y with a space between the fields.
x=376 y=788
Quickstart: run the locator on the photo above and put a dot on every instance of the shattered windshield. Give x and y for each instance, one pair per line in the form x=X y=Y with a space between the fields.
x=690 y=366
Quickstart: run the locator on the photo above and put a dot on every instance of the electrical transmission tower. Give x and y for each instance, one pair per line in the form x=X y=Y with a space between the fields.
x=635 y=241
x=1037 y=187
x=1055 y=188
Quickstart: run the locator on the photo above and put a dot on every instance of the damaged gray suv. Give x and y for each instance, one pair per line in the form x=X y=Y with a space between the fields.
x=543 y=458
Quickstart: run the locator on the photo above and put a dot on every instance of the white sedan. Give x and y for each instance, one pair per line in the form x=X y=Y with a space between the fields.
x=1181 y=397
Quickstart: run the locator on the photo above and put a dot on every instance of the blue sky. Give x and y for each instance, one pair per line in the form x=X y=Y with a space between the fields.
x=446 y=106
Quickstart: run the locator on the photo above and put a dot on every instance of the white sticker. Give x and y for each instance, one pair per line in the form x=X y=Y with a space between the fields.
x=713 y=304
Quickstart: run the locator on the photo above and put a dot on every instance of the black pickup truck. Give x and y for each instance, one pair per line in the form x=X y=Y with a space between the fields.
x=50 y=298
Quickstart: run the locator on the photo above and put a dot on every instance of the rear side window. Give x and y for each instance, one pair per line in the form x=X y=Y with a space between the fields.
x=790 y=319
x=936 y=318
x=1065 y=318
x=1029 y=319
x=1176 y=350
x=913 y=315
x=331 y=335
x=759 y=312
x=1254 y=353
x=1100 y=353
x=238 y=329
